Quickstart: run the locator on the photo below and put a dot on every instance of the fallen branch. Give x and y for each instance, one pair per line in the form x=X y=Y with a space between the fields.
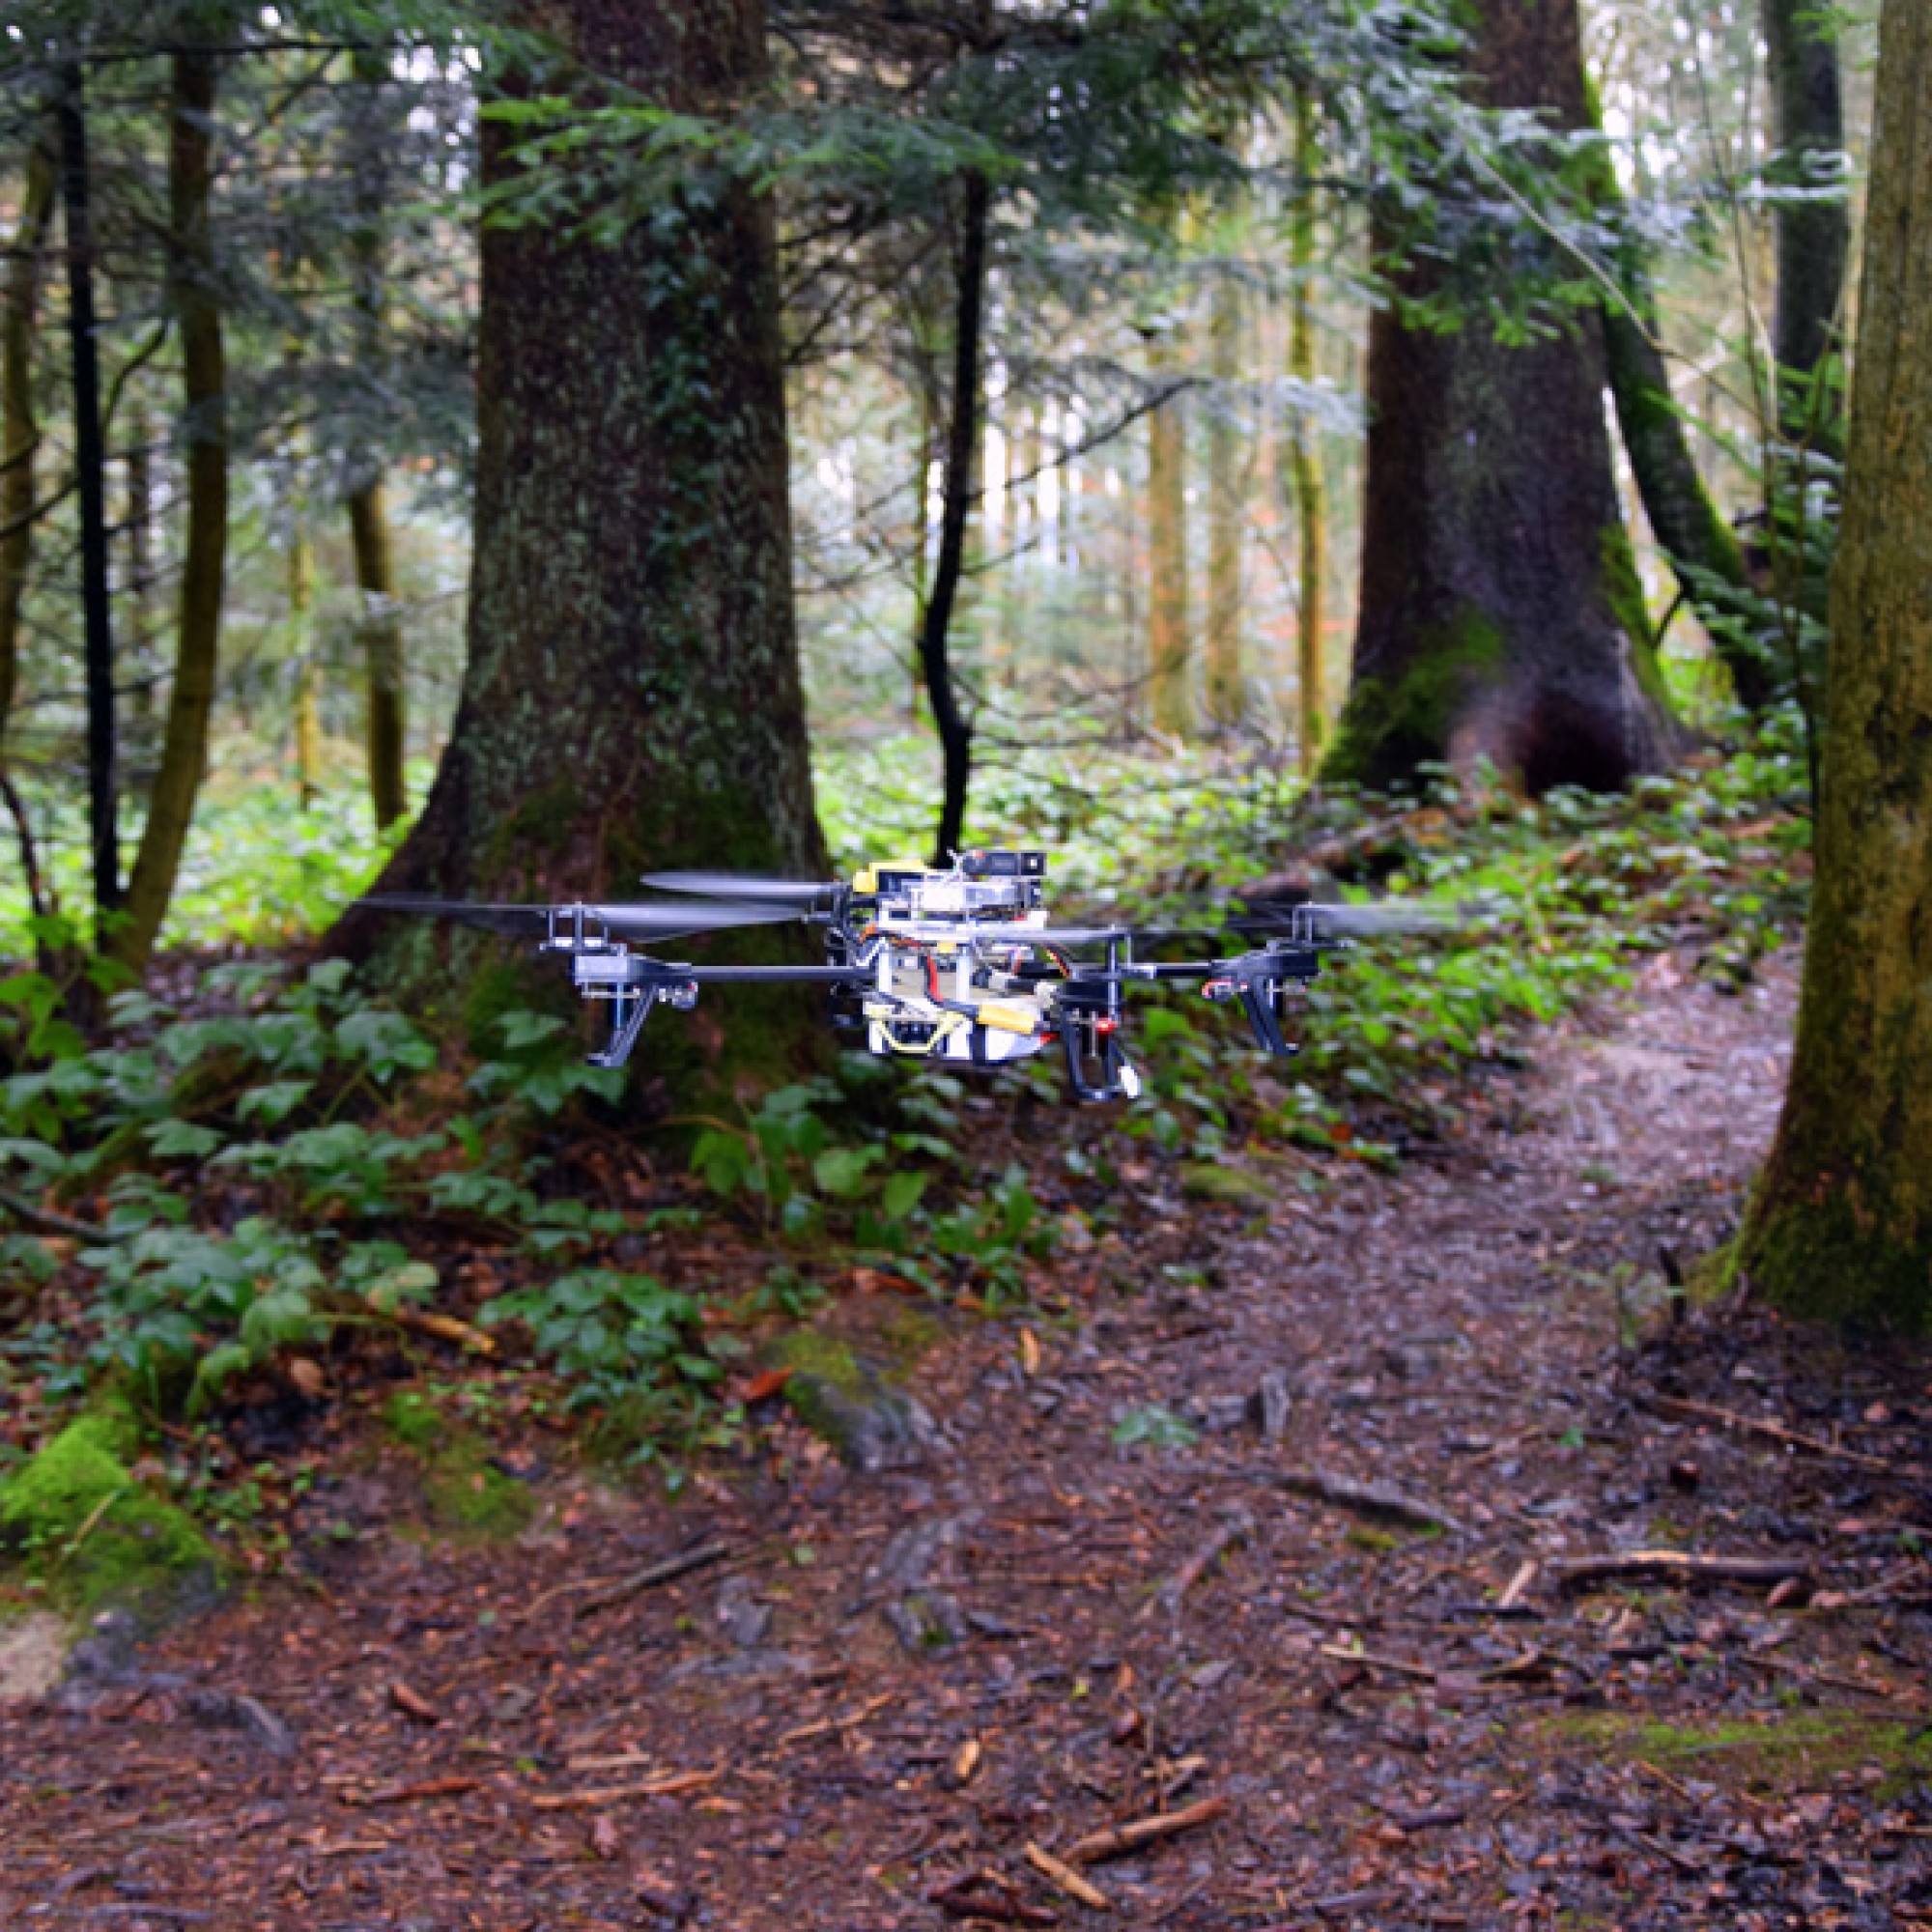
x=985 y=1895
x=669 y=1785
x=1776 y=1432
x=407 y=1793
x=1234 y=1529
x=1375 y=1499
x=48 y=1222
x=1117 y=1840
x=604 y=1594
x=1678 y=1565
x=444 y=1327
x=1065 y=1878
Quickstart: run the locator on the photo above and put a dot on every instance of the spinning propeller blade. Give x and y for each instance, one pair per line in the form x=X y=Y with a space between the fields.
x=1385 y=918
x=626 y=922
x=743 y=887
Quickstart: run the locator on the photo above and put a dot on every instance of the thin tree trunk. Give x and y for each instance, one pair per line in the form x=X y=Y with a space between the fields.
x=1170 y=688
x=139 y=600
x=962 y=438
x=90 y=462
x=19 y=433
x=1813 y=229
x=195 y=300
x=1842 y=1222
x=1501 y=614
x=306 y=698
x=388 y=717
x=1304 y=457
x=1224 y=688
x=385 y=716
x=632 y=693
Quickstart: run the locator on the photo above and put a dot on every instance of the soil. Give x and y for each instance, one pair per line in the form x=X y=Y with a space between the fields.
x=865 y=1696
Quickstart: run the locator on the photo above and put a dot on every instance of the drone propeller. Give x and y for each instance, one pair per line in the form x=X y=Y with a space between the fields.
x=744 y=888
x=626 y=922
x=1326 y=920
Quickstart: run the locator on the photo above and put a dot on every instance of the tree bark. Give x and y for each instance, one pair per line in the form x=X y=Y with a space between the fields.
x=962 y=440
x=195 y=298
x=1308 y=486
x=90 y=465
x=1501 y=618
x=1224 y=688
x=19 y=432
x=387 y=724
x=305 y=706
x=385 y=734
x=1841 y=1223
x=1170 y=687
x=1814 y=232
x=632 y=695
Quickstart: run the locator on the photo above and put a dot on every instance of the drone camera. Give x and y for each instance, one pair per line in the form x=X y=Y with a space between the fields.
x=1001 y=864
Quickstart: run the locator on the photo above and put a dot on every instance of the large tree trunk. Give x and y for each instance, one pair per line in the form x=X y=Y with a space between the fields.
x=1500 y=617
x=1841 y=1224
x=1815 y=226
x=196 y=300
x=386 y=725
x=19 y=433
x=632 y=693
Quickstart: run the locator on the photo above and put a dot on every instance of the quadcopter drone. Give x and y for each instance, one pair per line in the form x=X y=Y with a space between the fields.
x=957 y=964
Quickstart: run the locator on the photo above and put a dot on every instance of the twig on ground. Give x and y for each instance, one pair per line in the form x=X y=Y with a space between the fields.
x=445 y=1328
x=1066 y=1879
x=604 y=1594
x=1365 y=1498
x=1830 y=1680
x=824 y=1727
x=1679 y=1564
x=407 y=1793
x=1341 y=1653
x=669 y=1785
x=1117 y=1840
x=413 y=1704
x=986 y=1895
x=1235 y=1528
x=1511 y=1602
x=1776 y=1432
x=48 y=1222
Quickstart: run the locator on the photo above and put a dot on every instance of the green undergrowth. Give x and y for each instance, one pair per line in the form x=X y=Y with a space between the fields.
x=284 y=1168
x=1783 y=1752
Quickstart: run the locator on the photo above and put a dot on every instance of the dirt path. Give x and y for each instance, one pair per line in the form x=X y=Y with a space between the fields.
x=892 y=1685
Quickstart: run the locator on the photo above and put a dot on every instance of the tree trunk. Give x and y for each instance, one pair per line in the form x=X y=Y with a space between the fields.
x=1841 y=1224
x=90 y=467
x=140 y=587
x=631 y=695
x=1309 y=487
x=1170 y=691
x=1814 y=228
x=305 y=704
x=388 y=717
x=19 y=433
x=963 y=438
x=1501 y=616
x=196 y=302
x=1223 y=686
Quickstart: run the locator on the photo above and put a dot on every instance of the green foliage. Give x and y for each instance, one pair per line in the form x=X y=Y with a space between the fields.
x=1154 y=1428
x=610 y=1333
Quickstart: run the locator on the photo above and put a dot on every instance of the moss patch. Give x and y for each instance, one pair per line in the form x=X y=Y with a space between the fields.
x=83 y=1523
x=1391 y=724
x=464 y=1494
x=1231 y=1187
x=1787 y=1752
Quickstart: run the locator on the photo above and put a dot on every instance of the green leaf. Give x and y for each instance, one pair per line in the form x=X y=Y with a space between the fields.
x=901 y=1195
x=841 y=1172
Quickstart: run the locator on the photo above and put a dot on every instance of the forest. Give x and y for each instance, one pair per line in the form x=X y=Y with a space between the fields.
x=965 y=962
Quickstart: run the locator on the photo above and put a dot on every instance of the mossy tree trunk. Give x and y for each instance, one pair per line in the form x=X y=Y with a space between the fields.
x=1307 y=485
x=1814 y=224
x=195 y=296
x=1501 y=616
x=1224 y=688
x=631 y=696
x=1170 y=650
x=1841 y=1224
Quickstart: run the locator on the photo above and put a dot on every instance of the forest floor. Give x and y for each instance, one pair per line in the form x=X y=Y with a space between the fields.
x=903 y=1699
